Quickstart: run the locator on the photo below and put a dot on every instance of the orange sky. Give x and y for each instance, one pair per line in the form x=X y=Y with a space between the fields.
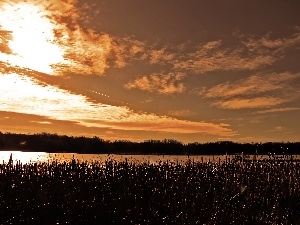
x=194 y=72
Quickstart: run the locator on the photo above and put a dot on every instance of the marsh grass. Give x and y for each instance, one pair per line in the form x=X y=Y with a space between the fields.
x=125 y=192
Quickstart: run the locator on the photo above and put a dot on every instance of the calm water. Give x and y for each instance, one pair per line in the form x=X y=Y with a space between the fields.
x=27 y=157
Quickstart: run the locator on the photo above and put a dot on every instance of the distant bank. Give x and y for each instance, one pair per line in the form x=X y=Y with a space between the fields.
x=68 y=144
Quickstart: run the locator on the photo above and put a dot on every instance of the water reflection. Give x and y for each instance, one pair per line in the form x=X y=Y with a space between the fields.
x=31 y=157
x=27 y=157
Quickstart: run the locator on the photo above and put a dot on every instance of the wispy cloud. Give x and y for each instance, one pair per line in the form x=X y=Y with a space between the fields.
x=249 y=53
x=124 y=50
x=160 y=56
x=280 y=129
x=22 y=94
x=41 y=122
x=85 y=51
x=183 y=112
x=266 y=44
x=255 y=84
x=278 y=110
x=169 y=83
x=5 y=37
x=32 y=33
x=256 y=91
x=257 y=102
x=58 y=30
x=71 y=47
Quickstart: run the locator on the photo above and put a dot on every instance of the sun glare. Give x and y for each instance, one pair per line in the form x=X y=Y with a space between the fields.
x=33 y=43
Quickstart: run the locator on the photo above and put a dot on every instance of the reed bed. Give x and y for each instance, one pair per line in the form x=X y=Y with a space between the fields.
x=127 y=192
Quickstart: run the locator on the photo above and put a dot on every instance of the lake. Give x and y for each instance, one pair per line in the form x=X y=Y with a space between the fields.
x=27 y=157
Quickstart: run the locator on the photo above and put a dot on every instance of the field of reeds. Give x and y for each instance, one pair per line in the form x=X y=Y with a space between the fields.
x=249 y=192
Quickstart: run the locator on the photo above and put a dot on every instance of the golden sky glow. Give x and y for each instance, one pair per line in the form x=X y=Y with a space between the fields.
x=33 y=42
x=24 y=95
x=150 y=71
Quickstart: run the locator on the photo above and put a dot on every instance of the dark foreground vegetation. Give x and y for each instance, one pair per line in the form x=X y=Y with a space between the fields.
x=62 y=143
x=258 y=192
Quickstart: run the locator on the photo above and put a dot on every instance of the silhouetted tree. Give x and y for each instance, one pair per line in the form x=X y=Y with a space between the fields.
x=61 y=143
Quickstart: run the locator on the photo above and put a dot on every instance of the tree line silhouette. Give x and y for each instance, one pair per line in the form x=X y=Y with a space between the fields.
x=55 y=143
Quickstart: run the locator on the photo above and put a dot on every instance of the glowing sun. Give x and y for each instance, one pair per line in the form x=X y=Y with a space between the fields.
x=33 y=42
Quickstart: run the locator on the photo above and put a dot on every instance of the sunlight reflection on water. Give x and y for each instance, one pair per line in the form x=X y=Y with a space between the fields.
x=27 y=157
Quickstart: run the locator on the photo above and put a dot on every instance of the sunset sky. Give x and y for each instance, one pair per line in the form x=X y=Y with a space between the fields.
x=194 y=71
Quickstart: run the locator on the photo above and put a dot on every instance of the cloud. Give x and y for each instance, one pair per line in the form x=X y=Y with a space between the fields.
x=278 y=110
x=82 y=50
x=102 y=51
x=87 y=53
x=41 y=122
x=256 y=91
x=280 y=129
x=160 y=56
x=257 y=102
x=85 y=50
x=124 y=50
x=249 y=54
x=183 y=112
x=255 y=84
x=161 y=83
x=151 y=122
x=78 y=49
x=22 y=94
x=5 y=37
x=58 y=30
